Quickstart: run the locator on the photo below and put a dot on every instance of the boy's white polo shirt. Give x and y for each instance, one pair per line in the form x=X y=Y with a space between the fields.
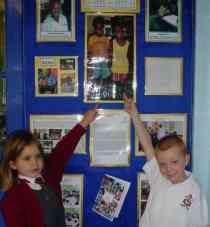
x=173 y=205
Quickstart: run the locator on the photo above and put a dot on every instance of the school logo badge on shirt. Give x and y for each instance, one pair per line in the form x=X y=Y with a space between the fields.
x=187 y=201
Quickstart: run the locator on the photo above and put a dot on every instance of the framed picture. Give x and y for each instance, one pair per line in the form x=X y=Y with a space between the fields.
x=56 y=76
x=163 y=76
x=119 y=6
x=163 y=21
x=72 y=195
x=160 y=125
x=49 y=129
x=110 y=139
x=2 y=36
x=110 y=197
x=143 y=191
x=55 y=20
x=110 y=62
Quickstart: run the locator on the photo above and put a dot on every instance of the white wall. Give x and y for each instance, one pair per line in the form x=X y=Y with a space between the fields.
x=201 y=112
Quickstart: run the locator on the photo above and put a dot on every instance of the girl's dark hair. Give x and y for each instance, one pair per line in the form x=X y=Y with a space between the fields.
x=14 y=145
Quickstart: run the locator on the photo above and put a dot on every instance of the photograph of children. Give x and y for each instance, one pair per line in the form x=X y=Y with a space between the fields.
x=67 y=64
x=72 y=217
x=160 y=125
x=48 y=81
x=72 y=195
x=163 y=20
x=46 y=138
x=143 y=194
x=49 y=138
x=55 y=20
x=47 y=146
x=56 y=76
x=49 y=129
x=55 y=134
x=110 y=197
x=68 y=83
x=110 y=54
x=41 y=134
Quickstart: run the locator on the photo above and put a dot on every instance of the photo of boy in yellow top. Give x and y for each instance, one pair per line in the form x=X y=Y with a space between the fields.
x=99 y=51
x=121 y=58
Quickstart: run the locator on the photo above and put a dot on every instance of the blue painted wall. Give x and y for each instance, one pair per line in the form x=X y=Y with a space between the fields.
x=21 y=101
x=14 y=67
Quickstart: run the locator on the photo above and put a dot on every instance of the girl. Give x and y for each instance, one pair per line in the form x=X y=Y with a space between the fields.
x=121 y=55
x=27 y=203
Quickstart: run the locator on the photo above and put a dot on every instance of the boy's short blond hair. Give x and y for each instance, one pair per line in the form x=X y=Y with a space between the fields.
x=169 y=141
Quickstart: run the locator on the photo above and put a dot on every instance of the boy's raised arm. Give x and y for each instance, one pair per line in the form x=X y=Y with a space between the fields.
x=143 y=135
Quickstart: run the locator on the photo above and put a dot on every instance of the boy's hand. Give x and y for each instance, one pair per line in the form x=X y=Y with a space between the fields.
x=89 y=117
x=129 y=105
x=143 y=136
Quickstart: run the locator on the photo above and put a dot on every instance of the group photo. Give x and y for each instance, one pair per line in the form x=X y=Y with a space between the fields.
x=109 y=64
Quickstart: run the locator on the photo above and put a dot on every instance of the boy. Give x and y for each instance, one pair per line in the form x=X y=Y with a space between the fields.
x=99 y=51
x=175 y=197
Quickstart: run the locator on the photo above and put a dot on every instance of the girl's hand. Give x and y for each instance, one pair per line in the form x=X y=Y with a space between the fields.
x=89 y=117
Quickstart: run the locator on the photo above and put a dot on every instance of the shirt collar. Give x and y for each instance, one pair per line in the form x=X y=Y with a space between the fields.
x=31 y=182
